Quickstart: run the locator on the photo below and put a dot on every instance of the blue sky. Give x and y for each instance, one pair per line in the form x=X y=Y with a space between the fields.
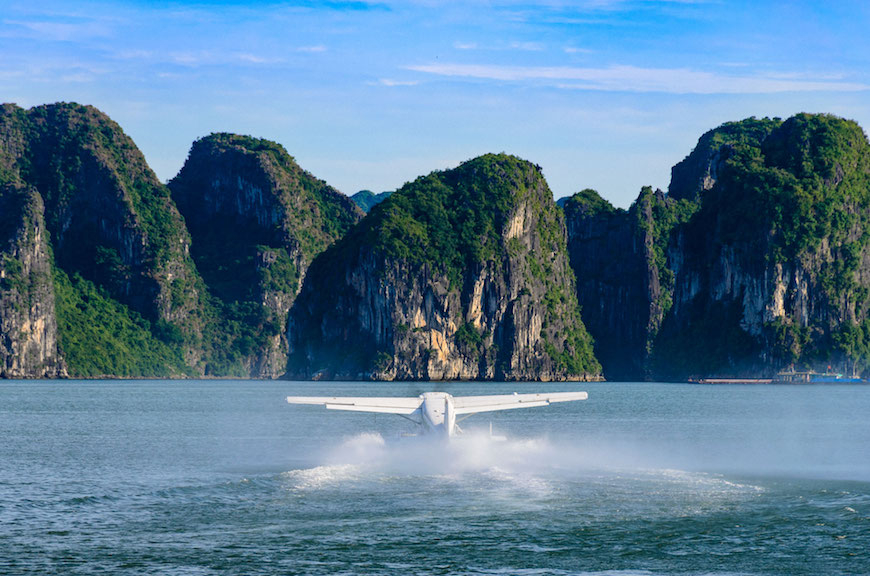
x=607 y=94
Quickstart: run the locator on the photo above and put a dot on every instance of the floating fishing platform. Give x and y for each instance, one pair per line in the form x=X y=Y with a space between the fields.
x=789 y=377
x=731 y=380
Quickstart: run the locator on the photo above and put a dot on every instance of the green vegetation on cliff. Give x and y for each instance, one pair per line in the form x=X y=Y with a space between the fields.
x=757 y=259
x=659 y=216
x=491 y=217
x=447 y=220
x=99 y=336
x=256 y=220
x=28 y=327
x=805 y=182
x=624 y=282
x=109 y=221
x=243 y=196
x=125 y=278
x=700 y=169
x=782 y=198
x=78 y=153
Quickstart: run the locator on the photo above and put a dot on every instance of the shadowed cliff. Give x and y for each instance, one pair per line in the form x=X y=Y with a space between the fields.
x=257 y=220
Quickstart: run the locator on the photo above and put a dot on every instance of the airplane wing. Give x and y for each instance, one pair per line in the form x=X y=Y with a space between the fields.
x=404 y=406
x=475 y=404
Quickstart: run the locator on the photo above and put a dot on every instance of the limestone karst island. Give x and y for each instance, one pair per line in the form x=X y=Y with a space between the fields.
x=755 y=262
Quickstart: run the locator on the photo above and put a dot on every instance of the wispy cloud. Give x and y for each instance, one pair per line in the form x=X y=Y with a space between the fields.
x=194 y=58
x=340 y=5
x=55 y=30
x=636 y=79
x=391 y=83
x=190 y=58
x=497 y=47
x=527 y=46
x=79 y=78
x=312 y=49
x=254 y=59
x=59 y=71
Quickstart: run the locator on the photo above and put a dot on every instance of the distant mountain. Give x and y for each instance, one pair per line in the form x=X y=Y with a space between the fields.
x=366 y=199
x=461 y=274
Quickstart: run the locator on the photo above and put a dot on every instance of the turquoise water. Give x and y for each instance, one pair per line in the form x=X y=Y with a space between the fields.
x=218 y=477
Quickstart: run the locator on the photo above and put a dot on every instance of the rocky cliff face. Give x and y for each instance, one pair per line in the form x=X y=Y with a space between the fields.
x=108 y=218
x=613 y=255
x=128 y=296
x=257 y=220
x=110 y=225
x=28 y=326
x=755 y=261
x=773 y=270
x=461 y=274
x=699 y=171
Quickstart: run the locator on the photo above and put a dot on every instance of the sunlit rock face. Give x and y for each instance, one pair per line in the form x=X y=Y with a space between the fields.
x=28 y=347
x=462 y=274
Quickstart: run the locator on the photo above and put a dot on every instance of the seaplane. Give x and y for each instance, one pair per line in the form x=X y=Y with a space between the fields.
x=438 y=413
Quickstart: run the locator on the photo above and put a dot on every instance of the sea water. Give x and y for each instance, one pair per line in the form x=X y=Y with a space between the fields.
x=223 y=477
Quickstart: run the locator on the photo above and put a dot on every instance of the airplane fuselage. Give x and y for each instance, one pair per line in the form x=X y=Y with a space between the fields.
x=438 y=413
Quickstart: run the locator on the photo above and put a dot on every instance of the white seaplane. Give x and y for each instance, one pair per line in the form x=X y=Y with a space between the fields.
x=438 y=413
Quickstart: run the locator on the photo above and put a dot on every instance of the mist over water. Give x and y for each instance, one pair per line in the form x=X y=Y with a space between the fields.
x=517 y=475
x=226 y=478
x=805 y=432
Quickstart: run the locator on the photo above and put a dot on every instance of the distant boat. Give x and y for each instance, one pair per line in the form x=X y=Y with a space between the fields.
x=812 y=377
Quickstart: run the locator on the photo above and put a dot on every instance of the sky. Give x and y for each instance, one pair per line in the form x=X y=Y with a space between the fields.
x=603 y=94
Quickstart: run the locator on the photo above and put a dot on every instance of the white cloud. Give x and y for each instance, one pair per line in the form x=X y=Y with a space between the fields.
x=254 y=59
x=312 y=49
x=62 y=70
x=189 y=58
x=56 y=31
x=134 y=54
x=391 y=83
x=195 y=58
x=636 y=79
x=528 y=46
x=78 y=78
